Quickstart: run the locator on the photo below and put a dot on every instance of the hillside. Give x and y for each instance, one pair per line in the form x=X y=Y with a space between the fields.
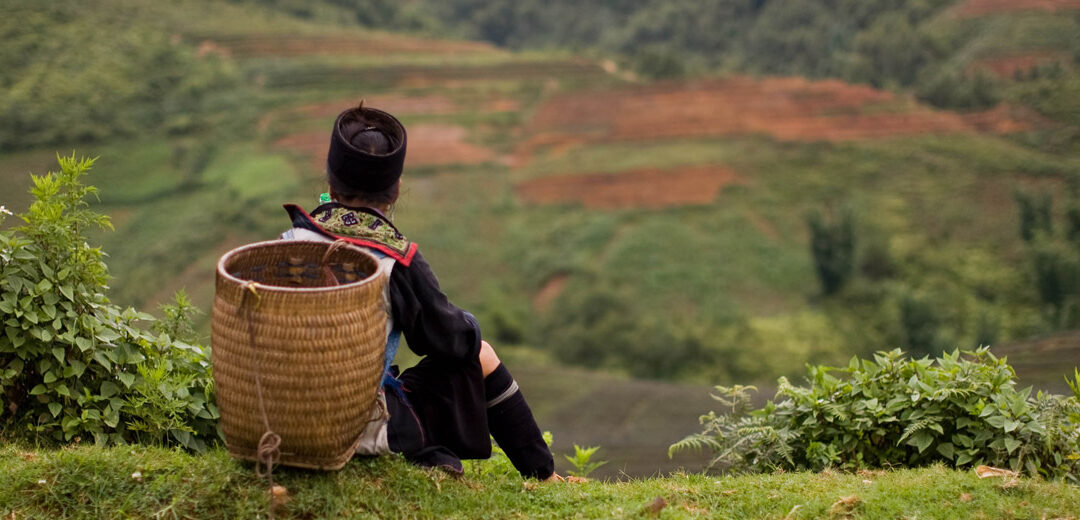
x=653 y=228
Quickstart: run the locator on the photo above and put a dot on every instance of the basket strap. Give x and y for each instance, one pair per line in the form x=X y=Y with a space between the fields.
x=267 y=453
x=330 y=278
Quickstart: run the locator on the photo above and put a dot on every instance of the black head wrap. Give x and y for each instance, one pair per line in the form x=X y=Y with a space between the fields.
x=362 y=170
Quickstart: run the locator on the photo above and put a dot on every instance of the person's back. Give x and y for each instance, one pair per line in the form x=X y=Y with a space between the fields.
x=459 y=395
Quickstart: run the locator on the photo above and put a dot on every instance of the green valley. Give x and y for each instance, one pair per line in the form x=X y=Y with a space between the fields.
x=620 y=193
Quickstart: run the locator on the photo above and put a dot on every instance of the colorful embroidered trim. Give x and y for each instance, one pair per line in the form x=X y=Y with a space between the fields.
x=360 y=228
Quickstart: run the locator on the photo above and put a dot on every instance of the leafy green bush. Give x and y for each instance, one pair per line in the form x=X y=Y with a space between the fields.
x=897 y=411
x=1036 y=213
x=832 y=243
x=920 y=323
x=73 y=365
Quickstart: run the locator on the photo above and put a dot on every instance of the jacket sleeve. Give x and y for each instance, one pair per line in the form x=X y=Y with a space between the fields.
x=431 y=324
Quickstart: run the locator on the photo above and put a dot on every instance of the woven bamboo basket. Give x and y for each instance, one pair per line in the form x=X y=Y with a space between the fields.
x=312 y=349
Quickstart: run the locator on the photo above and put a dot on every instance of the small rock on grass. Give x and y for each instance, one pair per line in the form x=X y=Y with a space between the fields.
x=279 y=496
x=654 y=507
x=845 y=505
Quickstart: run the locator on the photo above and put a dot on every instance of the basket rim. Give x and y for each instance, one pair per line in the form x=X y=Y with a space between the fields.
x=221 y=271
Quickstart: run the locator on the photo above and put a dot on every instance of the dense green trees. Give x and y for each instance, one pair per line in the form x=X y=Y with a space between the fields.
x=71 y=73
x=882 y=42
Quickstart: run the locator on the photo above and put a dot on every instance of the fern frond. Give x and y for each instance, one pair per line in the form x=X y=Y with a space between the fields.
x=695 y=442
x=915 y=427
x=950 y=393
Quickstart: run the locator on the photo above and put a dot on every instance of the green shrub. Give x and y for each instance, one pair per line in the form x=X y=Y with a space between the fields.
x=944 y=87
x=897 y=411
x=605 y=326
x=832 y=243
x=1056 y=266
x=1036 y=214
x=73 y=365
x=920 y=324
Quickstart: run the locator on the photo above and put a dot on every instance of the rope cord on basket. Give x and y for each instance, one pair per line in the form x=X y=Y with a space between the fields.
x=267 y=453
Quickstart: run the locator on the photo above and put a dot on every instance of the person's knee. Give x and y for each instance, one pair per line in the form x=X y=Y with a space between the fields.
x=489 y=361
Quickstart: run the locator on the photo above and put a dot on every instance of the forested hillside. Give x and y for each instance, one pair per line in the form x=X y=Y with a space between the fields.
x=950 y=53
x=807 y=180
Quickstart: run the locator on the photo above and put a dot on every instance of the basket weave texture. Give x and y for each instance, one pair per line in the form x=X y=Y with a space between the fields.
x=317 y=349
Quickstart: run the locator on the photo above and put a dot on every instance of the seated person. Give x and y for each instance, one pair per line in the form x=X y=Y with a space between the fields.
x=448 y=406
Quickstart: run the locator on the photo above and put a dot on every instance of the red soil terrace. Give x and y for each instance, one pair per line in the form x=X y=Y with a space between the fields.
x=650 y=188
x=790 y=109
x=973 y=8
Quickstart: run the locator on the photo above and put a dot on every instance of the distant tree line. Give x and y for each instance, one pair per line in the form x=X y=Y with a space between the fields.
x=881 y=42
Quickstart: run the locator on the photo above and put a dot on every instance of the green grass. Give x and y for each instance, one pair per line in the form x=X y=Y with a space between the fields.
x=89 y=482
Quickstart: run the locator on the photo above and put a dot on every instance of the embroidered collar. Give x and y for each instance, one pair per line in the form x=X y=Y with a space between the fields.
x=361 y=226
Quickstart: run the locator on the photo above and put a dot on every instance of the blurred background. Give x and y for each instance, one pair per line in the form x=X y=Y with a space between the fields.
x=639 y=199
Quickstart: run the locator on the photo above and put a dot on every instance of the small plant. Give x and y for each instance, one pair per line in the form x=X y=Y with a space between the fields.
x=582 y=461
x=963 y=410
x=177 y=318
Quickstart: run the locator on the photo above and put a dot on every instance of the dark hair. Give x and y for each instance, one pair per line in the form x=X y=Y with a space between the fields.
x=362 y=133
x=364 y=198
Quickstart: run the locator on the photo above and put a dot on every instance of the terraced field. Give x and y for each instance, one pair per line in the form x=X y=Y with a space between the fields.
x=651 y=189
x=972 y=8
x=787 y=109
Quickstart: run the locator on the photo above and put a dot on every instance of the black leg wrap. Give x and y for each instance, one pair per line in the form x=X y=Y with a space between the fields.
x=512 y=424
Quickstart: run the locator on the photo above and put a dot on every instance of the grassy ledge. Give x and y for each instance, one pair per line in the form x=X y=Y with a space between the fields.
x=91 y=482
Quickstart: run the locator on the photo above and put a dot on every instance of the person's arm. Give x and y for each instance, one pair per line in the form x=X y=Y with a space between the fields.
x=431 y=324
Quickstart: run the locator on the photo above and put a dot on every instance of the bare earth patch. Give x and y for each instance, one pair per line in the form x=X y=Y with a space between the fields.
x=973 y=8
x=429 y=145
x=551 y=290
x=650 y=188
x=436 y=145
x=789 y=109
x=1005 y=119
